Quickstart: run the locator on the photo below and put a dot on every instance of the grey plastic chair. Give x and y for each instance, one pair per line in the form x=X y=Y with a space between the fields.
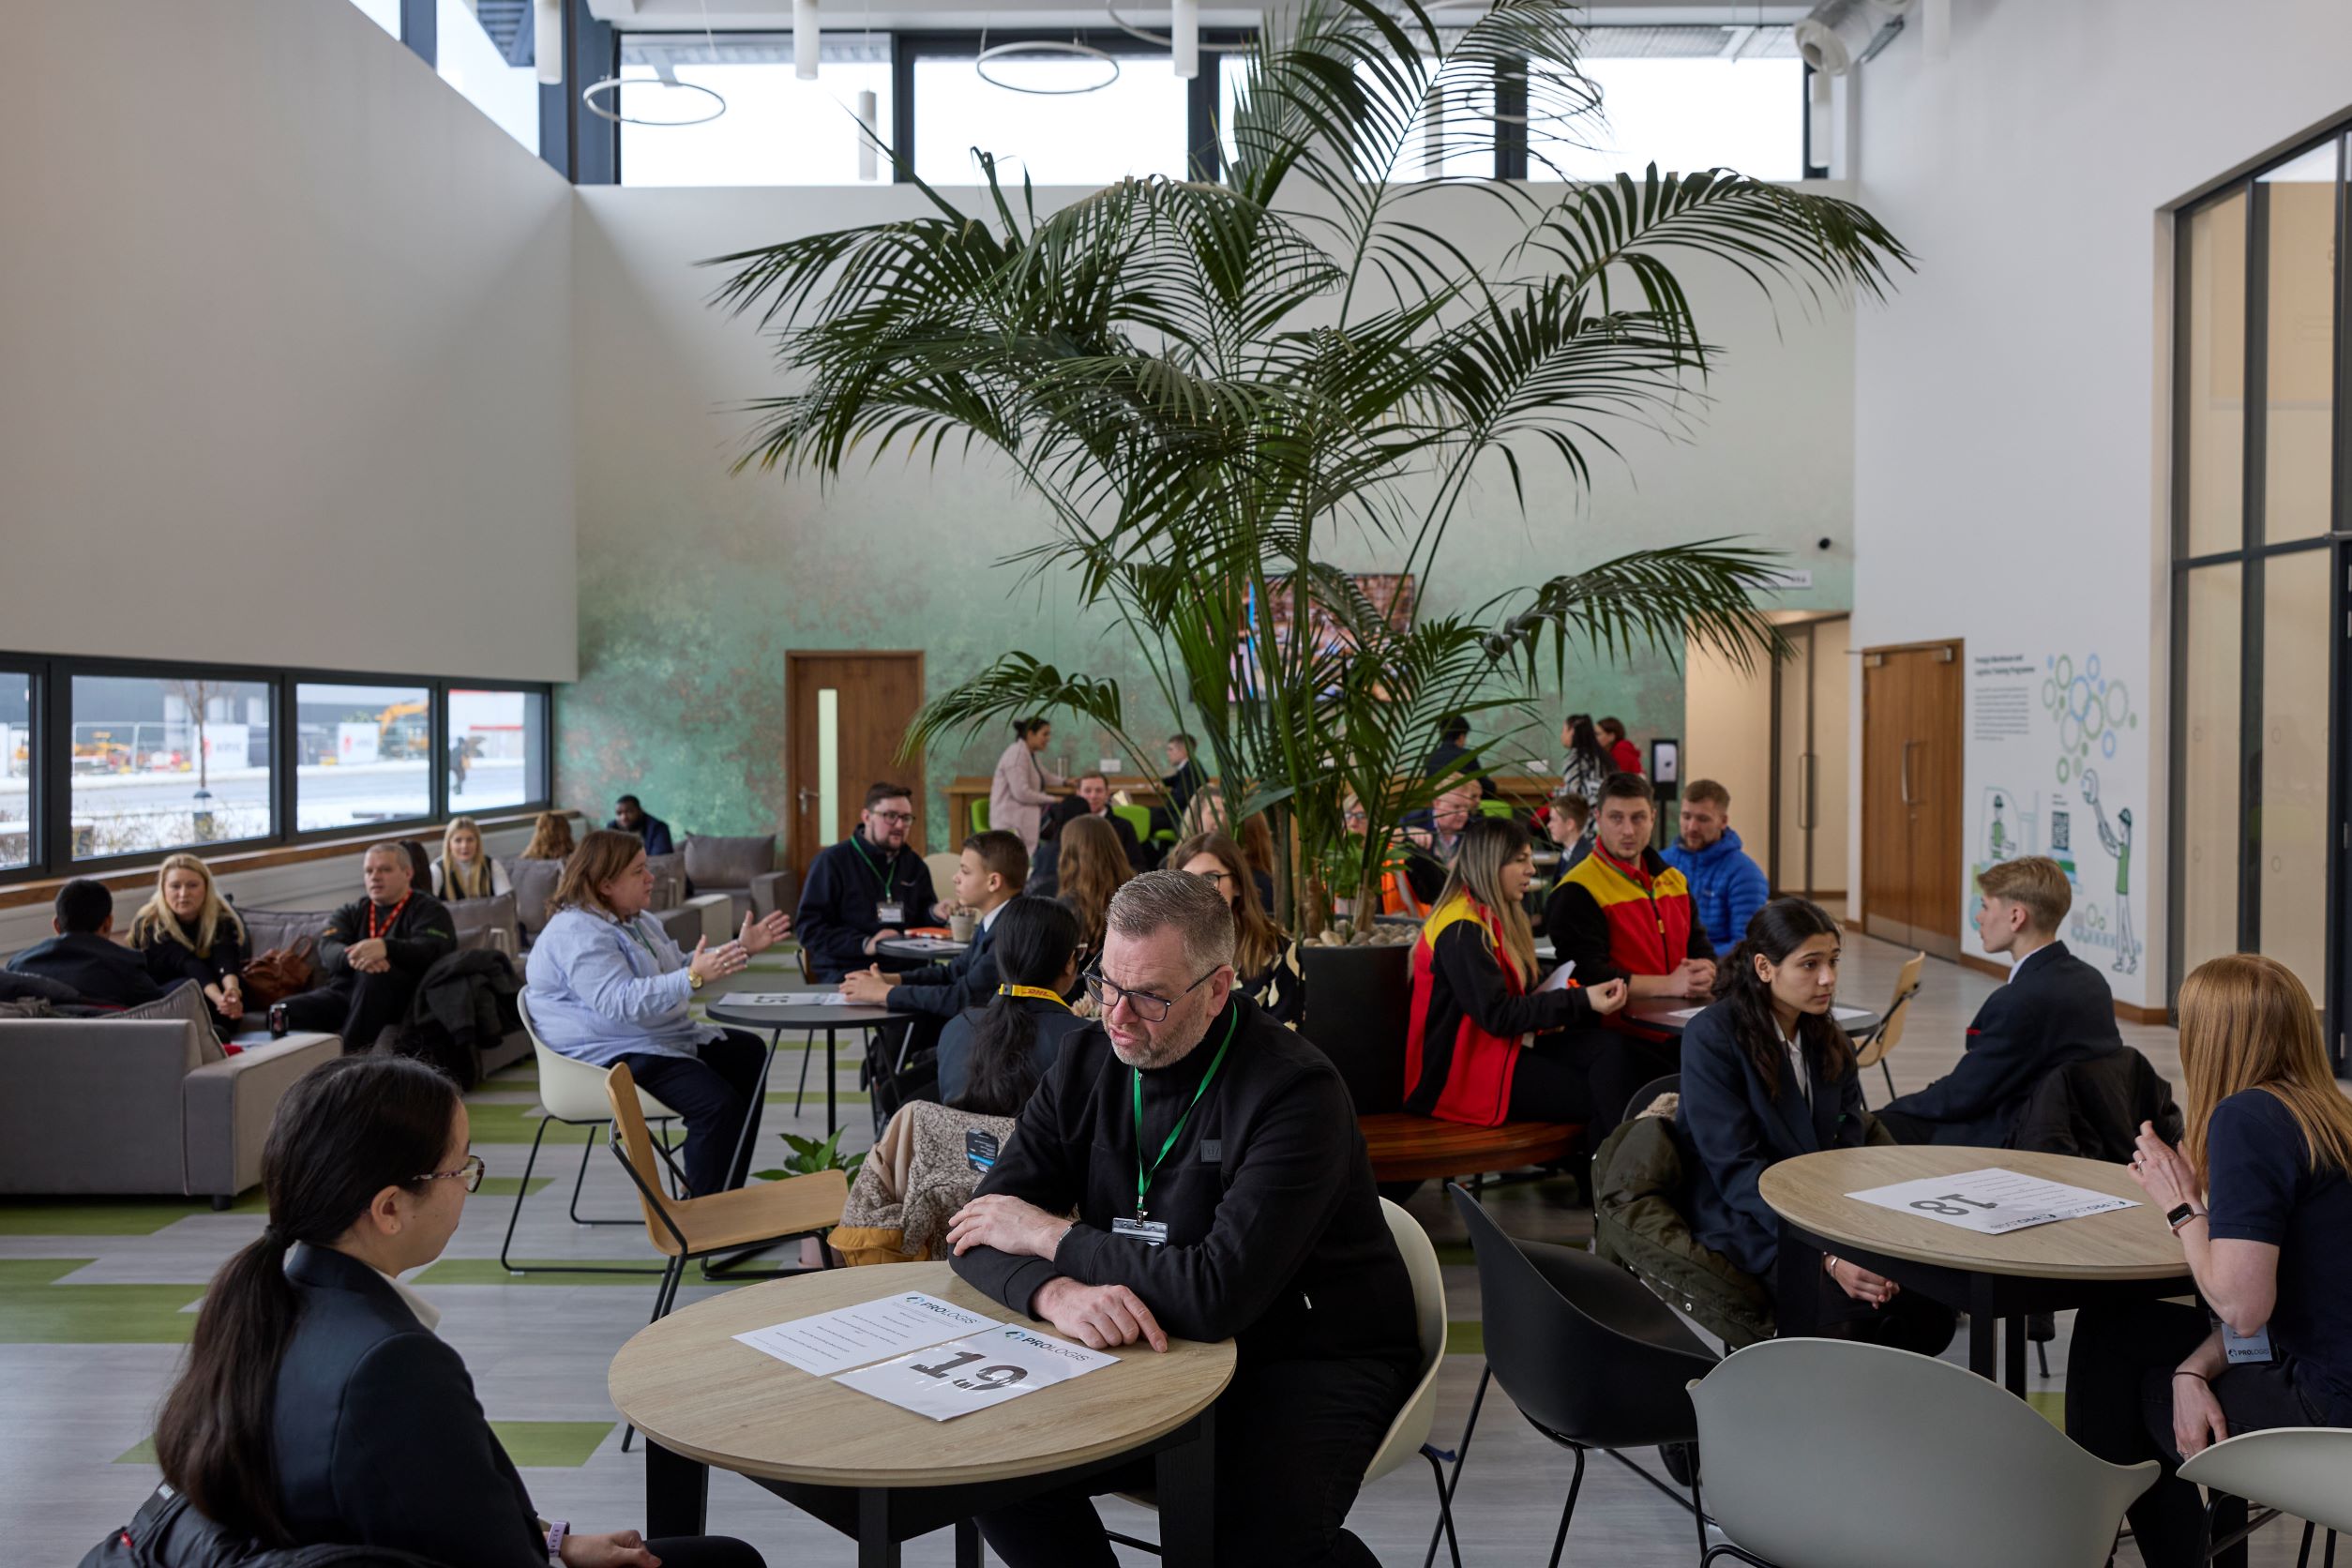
x=1961 y=1474
x=2302 y=1471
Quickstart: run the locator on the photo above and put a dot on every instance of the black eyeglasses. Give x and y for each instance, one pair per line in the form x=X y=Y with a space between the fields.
x=1107 y=995
x=470 y=1174
x=895 y=816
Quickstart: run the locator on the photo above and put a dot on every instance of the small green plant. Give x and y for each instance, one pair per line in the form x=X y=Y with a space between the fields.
x=810 y=1155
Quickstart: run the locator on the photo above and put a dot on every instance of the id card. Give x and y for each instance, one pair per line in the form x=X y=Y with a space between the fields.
x=1150 y=1232
x=891 y=912
x=2247 y=1350
x=980 y=1150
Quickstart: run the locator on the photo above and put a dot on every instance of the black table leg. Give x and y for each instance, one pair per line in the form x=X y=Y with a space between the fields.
x=875 y=1548
x=677 y=1492
x=829 y=1077
x=967 y=1543
x=759 y=1099
x=1983 y=1329
x=1188 y=1484
x=2013 y=1354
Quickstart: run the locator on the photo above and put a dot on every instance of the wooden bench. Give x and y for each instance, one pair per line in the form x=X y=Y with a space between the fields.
x=1408 y=1148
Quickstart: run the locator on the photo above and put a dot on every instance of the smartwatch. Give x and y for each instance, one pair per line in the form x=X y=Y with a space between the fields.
x=555 y=1533
x=2180 y=1215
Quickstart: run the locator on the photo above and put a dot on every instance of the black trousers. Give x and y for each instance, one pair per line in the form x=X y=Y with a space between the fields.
x=1905 y=1129
x=711 y=1091
x=1587 y=1075
x=1293 y=1440
x=1549 y=1083
x=2119 y=1405
x=1808 y=1305
x=705 y=1552
x=358 y=1006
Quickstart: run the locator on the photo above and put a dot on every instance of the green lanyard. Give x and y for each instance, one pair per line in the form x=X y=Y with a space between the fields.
x=629 y=928
x=869 y=864
x=1143 y=1176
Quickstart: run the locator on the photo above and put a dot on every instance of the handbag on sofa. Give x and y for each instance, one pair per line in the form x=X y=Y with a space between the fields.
x=273 y=976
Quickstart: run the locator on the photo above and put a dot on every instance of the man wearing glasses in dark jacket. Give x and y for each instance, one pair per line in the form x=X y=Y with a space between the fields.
x=1222 y=1191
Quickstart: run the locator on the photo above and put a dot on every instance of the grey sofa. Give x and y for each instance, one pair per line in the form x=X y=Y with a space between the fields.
x=143 y=1103
x=475 y=919
x=534 y=882
x=743 y=868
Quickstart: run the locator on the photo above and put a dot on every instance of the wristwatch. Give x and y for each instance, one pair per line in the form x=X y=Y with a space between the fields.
x=2181 y=1215
x=555 y=1533
x=694 y=981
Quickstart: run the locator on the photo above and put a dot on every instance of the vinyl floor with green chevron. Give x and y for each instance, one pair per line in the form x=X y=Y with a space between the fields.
x=97 y=1297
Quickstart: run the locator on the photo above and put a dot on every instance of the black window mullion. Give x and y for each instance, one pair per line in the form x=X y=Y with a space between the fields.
x=902 y=108
x=1511 y=126
x=2252 y=473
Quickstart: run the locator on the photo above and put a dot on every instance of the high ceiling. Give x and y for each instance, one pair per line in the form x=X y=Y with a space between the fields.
x=773 y=15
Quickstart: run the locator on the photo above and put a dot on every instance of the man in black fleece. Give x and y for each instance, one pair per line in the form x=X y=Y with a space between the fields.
x=1245 y=1211
x=373 y=952
x=865 y=888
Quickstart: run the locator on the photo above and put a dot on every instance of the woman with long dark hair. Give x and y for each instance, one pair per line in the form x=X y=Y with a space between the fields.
x=990 y=1057
x=1588 y=767
x=2260 y=1194
x=1483 y=1045
x=1019 y=789
x=1092 y=866
x=317 y=1407
x=1768 y=1075
x=1266 y=964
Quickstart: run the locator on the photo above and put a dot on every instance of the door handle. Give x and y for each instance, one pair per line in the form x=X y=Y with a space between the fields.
x=1806 y=763
x=804 y=791
x=1906 y=773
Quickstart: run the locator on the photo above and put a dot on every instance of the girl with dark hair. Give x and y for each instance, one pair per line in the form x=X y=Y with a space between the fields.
x=317 y=1407
x=1768 y=1075
x=992 y=1057
x=1588 y=767
x=1091 y=865
x=1483 y=1045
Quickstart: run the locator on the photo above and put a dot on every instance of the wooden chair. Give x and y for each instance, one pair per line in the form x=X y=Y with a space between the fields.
x=1870 y=1050
x=686 y=1229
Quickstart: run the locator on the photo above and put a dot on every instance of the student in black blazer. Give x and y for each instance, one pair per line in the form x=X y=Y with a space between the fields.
x=317 y=1407
x=1768 y=1075
x=993 y=1054
x=988 y=875
x=2055 y=1011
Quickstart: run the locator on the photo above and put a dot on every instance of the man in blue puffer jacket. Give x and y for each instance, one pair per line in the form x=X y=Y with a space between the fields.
x=1727 y=887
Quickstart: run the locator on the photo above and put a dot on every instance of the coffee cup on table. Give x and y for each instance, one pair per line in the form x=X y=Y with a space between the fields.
x=961 y=923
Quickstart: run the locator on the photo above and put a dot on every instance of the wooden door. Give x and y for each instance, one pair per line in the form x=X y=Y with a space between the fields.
x=844 y=713
x=1810 y=749
x=1912 y=770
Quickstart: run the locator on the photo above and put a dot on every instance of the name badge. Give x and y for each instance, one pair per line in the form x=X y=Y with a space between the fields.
x=980 y=1150
x=889 y=912
x=2246 y=1350
x=1150 y=1232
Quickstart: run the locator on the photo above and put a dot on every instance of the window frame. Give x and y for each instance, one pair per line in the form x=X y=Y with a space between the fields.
x=50 y=763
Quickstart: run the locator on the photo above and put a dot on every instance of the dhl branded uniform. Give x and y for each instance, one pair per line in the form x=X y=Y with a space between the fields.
x=1616 y=920
x=1470 y=1012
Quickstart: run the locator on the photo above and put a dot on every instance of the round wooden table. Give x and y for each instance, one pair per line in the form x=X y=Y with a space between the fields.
x=919 y=950
x=775 y=1020
x=2123 y=1254
x=883 y=1474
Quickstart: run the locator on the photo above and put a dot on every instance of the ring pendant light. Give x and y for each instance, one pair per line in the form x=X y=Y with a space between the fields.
x=1072 y=50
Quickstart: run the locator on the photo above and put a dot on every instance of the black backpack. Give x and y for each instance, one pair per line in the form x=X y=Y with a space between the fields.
x=166 y=1533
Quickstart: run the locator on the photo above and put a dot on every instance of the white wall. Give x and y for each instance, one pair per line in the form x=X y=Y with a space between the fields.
x=2010 y=445
x=284 y=350
x=695 y=582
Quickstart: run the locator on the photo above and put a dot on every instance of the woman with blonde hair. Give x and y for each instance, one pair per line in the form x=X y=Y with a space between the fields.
x=605 y=983
x=187 y=932
x=465 y=870
x=1483 y=1045
x=1093 y=867
x=2260 y=1194
x=1266 y=960
x=550 y=837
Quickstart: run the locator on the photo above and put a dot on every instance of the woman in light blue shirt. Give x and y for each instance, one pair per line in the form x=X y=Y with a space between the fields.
x=606 y=984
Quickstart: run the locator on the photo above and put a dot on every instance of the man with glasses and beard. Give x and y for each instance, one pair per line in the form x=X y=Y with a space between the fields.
x=1222 y=1191
x=866 y=889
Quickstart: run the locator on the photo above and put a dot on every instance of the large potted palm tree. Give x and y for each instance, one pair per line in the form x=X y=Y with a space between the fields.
x=1213 y=385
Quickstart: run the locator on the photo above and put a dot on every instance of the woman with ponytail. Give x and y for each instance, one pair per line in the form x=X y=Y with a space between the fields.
x=990 y=1057
x=1768 y=1075
x=317 y=1407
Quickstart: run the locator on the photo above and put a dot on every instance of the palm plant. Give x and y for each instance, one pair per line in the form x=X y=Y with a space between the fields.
x=1213 y=385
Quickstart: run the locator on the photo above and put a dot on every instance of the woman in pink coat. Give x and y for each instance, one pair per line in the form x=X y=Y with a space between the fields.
x=1016 y=795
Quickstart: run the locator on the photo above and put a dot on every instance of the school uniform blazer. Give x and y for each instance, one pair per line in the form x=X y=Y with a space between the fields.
x=966 y=980
x=1017 y=794
x=1734 y=1129
x=378 y=1439
x=2055 y=1011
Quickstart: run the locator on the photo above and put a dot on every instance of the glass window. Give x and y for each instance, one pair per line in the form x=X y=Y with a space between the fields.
x=778 y=129
x=1452 y=136
x=362 y=754
x=1684 y=98
x=2215 y=372
x=16 y=769
x=2293 y=767
x=2299 y=202
x=482 y=66
x=384 y=14
x=497 y=754
x=163 y=764
x=2211 y=825
x=1053 y=130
